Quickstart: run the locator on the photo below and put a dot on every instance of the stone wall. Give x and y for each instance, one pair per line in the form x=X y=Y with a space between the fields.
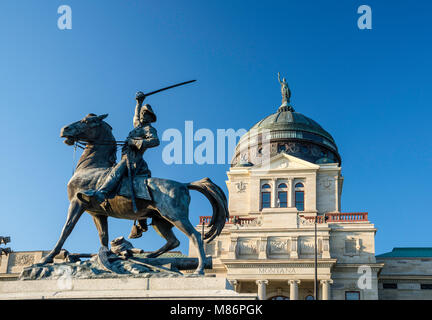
x=405 y=279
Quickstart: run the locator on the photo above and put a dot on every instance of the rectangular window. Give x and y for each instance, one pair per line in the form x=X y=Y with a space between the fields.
x=352 y=295
x=389 y=285
x=350 y=247
x=283 y=199
x=426 y=286
x=265 y=199
x=299 y=200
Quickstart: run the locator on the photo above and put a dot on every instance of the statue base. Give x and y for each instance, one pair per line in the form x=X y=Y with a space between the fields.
x=173 y=288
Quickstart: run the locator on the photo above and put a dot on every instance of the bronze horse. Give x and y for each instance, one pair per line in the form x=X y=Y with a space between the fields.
x=169 y=207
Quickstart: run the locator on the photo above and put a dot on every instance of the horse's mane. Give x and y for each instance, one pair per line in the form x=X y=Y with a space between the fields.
x=103 y=154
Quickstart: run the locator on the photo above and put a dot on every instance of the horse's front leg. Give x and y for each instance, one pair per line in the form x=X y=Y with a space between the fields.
x=76 y=209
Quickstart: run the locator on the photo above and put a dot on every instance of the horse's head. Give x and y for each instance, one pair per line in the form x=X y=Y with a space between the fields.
x=88 y=129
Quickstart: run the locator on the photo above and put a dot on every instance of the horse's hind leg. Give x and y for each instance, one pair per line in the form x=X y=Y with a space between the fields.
x=74 y=213
x=164 y=229
x=101 y=223
x=188 y=229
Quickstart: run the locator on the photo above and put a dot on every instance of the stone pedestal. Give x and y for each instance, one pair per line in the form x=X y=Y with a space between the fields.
x=199 y=288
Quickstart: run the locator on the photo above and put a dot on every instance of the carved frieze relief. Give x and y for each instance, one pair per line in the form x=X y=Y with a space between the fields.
x=248 y=247
x=23 y=260
x=278 y=246
x=241 y=186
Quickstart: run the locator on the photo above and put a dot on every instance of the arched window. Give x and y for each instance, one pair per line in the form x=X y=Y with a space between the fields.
x=299 y=196
x=279 y=298
x=282 y=195
x=309 y=297
x=265 y=196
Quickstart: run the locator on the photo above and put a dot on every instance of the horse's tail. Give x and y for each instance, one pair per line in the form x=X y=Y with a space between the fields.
x=219 y=203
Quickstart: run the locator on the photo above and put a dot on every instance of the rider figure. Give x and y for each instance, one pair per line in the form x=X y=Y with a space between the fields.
x=142 y=137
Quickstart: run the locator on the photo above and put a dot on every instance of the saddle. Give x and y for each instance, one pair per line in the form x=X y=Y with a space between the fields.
x=141 y=190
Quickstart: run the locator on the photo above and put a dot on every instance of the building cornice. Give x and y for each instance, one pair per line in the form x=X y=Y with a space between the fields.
x=280 y=263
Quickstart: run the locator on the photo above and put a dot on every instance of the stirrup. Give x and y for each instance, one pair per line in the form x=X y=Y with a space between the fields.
x=86 y=196
x=142 y=227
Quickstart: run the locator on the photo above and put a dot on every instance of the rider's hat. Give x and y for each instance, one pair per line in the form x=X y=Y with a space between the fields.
x=148 y=109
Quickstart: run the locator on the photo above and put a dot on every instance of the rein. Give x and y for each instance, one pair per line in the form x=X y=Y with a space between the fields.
x=82 y=143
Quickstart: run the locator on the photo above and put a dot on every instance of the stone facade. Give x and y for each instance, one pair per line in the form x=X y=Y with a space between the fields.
x=270 y=249
x=274 y=246
x=407 y=274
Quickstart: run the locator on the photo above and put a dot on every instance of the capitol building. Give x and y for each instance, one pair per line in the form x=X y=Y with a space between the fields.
x=285 y=187
x=287 y=236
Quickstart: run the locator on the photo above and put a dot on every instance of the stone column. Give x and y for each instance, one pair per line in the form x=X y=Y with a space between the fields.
x=290 y=193
x=234 y=283
x=262 y=289
x=294 y=289
x=274 y=193
x=325 y=289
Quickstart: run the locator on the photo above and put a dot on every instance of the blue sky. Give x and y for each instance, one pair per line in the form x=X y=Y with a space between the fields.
x=371 y=89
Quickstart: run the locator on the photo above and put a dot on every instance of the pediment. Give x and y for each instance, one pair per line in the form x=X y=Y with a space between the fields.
x=283 y=161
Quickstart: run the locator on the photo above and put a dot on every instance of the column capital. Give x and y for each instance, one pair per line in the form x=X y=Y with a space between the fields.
x=295 y=281
x=233 y=282
x=261 y=282
x=327 y=281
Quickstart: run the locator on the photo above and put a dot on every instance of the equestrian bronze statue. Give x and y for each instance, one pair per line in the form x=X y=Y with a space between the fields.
x=142 y=137
x=127 y=190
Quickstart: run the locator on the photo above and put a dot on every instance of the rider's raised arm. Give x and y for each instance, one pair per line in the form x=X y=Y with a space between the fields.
x=139 y=97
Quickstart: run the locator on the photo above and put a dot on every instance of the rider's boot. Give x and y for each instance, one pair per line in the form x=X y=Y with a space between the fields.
x=136 y=232
x=138 y=229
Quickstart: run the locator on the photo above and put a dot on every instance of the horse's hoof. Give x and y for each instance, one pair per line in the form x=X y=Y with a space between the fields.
x=46 y=260
x=103 y=257
x=199 y=272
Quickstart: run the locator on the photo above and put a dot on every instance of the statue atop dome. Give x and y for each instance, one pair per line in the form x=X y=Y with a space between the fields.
x=285 y=90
